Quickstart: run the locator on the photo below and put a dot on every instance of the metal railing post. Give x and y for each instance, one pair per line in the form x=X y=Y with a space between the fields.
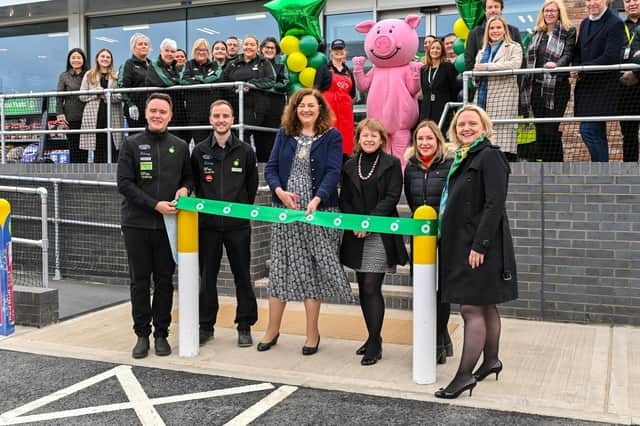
x=107 y=95
x=2 y=141
x=56 y=229
x=465 y=87
x=45 y=237
x=241 y=111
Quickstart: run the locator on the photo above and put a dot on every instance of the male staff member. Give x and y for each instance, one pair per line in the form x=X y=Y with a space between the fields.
x=629 y=102
x=448 y=41
x=225 y=169
x=233 y=48
x=153 y=171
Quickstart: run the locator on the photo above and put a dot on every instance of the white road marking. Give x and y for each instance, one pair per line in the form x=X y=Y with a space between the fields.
x=262 y=406
x=138 y=399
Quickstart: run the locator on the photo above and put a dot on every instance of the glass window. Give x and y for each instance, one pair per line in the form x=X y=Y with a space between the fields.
x=114 y=32
x=32 y=57
x=521 y=14
x=222 y=21
x=343 y=26
x=444 y=24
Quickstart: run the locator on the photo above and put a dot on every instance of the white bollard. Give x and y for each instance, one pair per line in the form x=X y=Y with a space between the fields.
x=424 y=302
x=188 y=284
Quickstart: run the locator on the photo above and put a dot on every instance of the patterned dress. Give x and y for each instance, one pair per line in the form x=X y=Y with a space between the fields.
x=305 y=263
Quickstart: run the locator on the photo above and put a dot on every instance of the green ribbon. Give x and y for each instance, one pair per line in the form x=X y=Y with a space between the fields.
x=352 y=222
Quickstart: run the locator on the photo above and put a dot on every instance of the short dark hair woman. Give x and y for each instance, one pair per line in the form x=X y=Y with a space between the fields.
x=69 y=108
x=303 y=173
x=371 y=185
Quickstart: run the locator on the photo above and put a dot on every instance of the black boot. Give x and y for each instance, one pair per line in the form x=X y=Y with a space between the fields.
x=162 y=346
x=141 y=349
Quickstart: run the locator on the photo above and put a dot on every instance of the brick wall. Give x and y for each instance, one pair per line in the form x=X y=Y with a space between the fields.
x=576 y=230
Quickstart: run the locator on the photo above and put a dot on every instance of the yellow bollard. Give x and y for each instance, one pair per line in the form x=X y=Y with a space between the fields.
x=188 y=284
x=424 y=302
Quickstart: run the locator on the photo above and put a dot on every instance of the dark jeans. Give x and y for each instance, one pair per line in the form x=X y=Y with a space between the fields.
x=237 y=244
x=594 y=135
x=149 y=254
x=77 y=155
x=548 y=135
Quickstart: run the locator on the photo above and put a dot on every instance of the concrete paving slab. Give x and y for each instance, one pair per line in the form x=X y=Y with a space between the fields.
x=588 y=372
x=80 y=297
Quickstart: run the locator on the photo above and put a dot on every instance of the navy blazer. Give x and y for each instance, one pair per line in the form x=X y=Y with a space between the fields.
x=326 y=165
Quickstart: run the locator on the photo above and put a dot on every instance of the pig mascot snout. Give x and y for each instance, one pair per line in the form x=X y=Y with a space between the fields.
x=394 y=80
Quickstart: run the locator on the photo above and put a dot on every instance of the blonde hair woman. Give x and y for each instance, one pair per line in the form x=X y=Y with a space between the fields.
x=101 y=76
x=133 y=73
x=499 y=95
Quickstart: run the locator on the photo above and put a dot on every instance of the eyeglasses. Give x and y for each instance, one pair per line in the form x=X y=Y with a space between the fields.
x=551 y=11
x=202 y=50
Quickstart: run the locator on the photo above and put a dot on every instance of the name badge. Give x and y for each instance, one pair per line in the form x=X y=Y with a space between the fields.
x=627 y=53
x=433 y=97
x=236 y=170
x=146 y=165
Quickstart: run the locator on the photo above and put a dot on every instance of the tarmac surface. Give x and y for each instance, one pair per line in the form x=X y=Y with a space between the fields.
x=574 y=373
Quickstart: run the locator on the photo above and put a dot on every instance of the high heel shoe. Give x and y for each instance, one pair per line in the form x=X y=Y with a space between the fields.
x=373 y=353
x=310 y=350
x=265 y=346
x=454 y=393
x=362 y=349
x=495 y=368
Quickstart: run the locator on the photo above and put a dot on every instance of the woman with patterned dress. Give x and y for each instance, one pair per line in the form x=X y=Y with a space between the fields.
x=371 y=185
x=303 y=172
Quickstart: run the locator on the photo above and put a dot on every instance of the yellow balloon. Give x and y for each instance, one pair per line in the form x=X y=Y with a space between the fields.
x=460 y=28
x=307 y=77
x=290 y=44
x=297 y=62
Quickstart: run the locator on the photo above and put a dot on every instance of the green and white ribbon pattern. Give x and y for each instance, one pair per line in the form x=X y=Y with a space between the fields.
x=352 y=222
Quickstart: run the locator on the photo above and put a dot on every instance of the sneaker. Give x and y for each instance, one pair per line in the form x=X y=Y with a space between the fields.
x=162 y=346
x=205 y=335
x=141 y=349
x=244 y=338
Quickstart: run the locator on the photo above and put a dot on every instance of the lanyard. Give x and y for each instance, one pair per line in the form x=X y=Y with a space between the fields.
x=629 y=36
x=430 y=77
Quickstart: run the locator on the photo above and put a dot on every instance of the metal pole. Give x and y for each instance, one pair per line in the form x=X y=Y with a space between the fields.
x=424 y=302
x=56 y=229
x=188 y=281
x=108 y=100
x=465 y=88
x=2 y=141
x=241 y=111
x=45 y=237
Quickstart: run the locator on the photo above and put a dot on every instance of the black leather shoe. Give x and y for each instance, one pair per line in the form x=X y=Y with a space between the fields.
x=310 y=350
x=162 y=346
x=362 y=349
x=205 y=335
x=244 y=338
x=373 y=353
x=480 y=374
x=454 y=393
x=266 y=346
x=141 y=349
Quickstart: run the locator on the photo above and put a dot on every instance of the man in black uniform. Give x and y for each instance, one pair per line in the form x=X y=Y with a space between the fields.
x=153 y=171
x=225 y=169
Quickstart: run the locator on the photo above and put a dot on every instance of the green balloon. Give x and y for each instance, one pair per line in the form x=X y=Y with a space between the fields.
x=293 y=78
x=296 y=32
x=283 y=59
x=308 y=45
x=295 y=87
x=471 y=12
x=317 y=60
x=297 y=14
x=459 y=64
x=458 y=46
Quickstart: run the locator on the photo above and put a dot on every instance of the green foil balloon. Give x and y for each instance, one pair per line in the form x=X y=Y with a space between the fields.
x=458 y=46
x=317 y=60
x=293 y=77
x=471 y=11
x=295 y=87
x=308 y=45
x=300 y=15
x=459 y=63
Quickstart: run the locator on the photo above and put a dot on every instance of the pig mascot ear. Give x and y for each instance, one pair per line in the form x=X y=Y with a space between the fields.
x=365 y=26
x=411 y=20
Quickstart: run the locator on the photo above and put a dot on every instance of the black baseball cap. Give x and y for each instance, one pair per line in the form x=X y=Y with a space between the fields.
x=338 y=44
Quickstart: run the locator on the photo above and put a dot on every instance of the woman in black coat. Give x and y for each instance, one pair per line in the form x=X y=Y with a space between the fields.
x=438 y=83
x=477 y=267
x=371 y=185
x=424 y=177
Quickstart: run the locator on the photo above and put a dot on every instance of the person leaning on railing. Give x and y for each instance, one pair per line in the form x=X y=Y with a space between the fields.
x=133 y=73
x=69 y=108
x=164 y=73
x=200 y=69
x=600 y=41
x=257 y=71
x=499 y=94
x=102 y=76
x=552 y=45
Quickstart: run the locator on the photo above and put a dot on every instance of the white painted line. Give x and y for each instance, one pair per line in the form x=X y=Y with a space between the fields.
x=146 y=412
x=262 y=406
x=212 y=394
x=54 y=415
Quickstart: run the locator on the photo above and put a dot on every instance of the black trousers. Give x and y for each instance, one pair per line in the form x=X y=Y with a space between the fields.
x=77 y=155
x=149 y=254
x=237 y=244
x=629 y=104
x=548 y=136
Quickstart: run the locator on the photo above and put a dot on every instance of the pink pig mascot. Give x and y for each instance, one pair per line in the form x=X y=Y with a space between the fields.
x=394 y=81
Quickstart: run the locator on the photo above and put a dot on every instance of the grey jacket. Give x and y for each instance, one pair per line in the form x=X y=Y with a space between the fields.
x=70 y=106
